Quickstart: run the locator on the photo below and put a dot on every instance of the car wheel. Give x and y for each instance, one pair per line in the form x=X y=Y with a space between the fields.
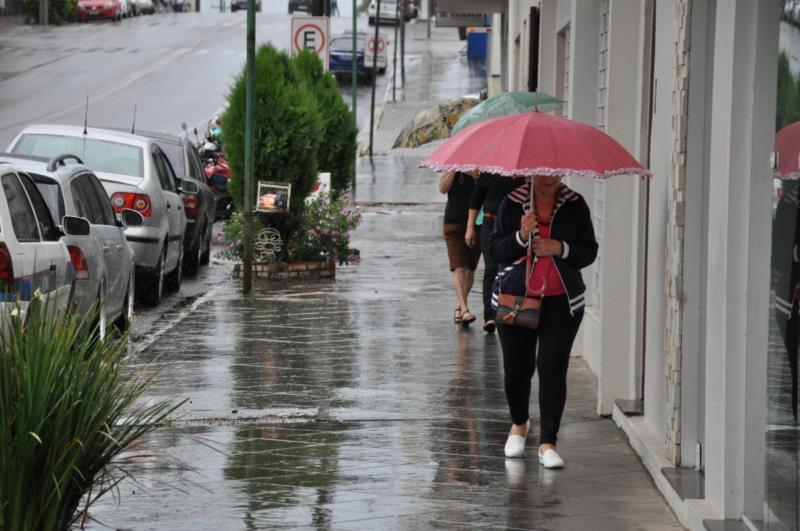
x=125 y=320
x=192 y=262
x=155 y=283
x=205 y=257
x=172 y=282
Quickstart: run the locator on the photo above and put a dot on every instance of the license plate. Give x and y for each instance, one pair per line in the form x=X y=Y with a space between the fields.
x=93 y=12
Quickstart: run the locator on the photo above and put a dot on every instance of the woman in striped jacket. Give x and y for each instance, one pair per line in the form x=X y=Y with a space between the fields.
x=562 y=242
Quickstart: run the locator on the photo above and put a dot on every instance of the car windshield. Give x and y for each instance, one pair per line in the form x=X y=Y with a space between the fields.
x=346 y=43
x=51 y=192
x=99 y=155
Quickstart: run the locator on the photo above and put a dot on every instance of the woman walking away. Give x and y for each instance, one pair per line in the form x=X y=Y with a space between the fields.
x=463 y=259
x=562 y=242
x=489 y=191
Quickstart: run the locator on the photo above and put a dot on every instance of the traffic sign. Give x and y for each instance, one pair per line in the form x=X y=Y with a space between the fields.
x=312 y=33
x=371 y=44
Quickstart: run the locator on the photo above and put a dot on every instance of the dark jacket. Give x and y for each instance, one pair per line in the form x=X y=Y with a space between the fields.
x=786 y=257
x=571 y=224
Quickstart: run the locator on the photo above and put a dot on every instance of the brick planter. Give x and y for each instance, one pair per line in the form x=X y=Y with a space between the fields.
x=290 y=272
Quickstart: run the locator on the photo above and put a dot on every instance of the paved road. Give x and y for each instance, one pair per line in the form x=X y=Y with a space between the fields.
x=175 y=67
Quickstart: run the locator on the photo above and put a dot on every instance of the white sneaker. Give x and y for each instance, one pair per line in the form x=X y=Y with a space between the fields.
x=551 y=459
x=515 y=445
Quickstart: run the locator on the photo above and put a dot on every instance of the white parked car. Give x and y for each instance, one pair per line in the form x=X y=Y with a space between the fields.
x=103 y=259
x=32 y=257
x=390 y=12
x=137 y=175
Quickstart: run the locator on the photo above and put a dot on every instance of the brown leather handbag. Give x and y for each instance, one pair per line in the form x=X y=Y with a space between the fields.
x=520 y=310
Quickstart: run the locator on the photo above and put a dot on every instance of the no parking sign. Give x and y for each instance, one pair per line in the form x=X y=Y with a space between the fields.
x=312 y=33
x=371 y=44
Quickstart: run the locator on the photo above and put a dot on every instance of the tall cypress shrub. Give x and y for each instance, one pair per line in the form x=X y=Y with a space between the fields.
x=287 y=131
x=338 y=148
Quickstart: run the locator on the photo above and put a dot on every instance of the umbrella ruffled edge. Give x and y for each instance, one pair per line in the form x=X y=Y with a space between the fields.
x=791 y=176
x=528 y=172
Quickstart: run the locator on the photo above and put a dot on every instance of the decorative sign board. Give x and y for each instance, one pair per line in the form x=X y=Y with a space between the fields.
x=273 y=198
x=446 y=19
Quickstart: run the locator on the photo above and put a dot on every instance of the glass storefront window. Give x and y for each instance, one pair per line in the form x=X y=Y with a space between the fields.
x=781 y=481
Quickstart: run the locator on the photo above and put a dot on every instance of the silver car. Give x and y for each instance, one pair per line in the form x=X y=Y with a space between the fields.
x=103 y=259
x=136 y=175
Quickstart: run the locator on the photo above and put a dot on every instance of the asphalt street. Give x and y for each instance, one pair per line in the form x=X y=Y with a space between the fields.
x=174 y=67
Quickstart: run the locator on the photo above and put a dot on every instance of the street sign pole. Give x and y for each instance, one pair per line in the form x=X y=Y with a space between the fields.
x=249 y=156
x=403 y=51
x=394 y=60
x=354 y=80
x=374 y=76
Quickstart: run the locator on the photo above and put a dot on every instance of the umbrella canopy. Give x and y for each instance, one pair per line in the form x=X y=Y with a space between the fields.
x=787 y=146
x=433 y=124
x=534 y=143
x=507 y=103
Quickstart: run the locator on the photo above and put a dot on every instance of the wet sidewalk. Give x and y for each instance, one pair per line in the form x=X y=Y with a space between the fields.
x=356 y=404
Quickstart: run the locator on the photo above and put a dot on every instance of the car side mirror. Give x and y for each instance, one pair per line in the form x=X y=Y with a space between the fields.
x=188 y=186
x=75 y=226
x=131 y=218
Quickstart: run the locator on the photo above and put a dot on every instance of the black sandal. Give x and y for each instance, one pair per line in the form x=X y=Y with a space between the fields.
x=489 y=327
x=467 y=318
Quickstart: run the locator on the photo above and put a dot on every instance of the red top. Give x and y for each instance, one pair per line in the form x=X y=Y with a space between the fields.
x=544 y=272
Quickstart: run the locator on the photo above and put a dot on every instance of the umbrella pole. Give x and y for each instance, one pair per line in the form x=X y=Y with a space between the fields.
x=533 y=209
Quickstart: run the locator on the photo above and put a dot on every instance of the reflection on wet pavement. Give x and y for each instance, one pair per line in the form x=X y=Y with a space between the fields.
x=355 y=404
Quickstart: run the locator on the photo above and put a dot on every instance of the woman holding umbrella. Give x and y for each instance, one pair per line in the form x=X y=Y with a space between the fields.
x=543 y=234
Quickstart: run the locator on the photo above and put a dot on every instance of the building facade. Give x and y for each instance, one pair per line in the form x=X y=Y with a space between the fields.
x=690 y=326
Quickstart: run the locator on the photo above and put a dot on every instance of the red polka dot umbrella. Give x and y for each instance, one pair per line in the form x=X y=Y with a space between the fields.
x=535 y=143
x=787 y=146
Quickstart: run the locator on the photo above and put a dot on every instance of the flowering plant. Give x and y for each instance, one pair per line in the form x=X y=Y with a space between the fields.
x=324 y=230
x=233 y=231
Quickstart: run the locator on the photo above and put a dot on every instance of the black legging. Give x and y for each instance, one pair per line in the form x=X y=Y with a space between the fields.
x=555 y=336
x=489 y=269
x=788 y=328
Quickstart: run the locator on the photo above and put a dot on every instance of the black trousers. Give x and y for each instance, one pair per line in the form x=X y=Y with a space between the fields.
x=791 y=338
x=554 y=339
x=489 y=269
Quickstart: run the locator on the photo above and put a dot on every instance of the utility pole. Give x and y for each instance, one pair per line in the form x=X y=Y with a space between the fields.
x=249 y=156
x=374 y=76
x=430 y=14
x=394 y=46
x=44 y=13
x=403 y=51
x=354 y=80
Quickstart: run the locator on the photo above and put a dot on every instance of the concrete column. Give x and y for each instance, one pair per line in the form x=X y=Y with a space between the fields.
x=513 y=45
x=739 y=217
x=547 y=47
x=495 y=67
x=620 y=312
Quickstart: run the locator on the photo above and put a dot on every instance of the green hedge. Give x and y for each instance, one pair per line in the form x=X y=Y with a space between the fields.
x=59 y=11
x=302 y=125
x=338 y=149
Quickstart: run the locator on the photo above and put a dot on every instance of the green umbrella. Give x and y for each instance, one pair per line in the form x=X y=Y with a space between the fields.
x=507 y=103
x=433 y=123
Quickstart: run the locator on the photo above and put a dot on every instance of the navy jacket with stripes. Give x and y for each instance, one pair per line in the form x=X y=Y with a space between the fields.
x=571 y=224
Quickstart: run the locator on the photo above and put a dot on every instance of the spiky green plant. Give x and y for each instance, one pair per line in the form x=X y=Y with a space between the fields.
x=67 y=410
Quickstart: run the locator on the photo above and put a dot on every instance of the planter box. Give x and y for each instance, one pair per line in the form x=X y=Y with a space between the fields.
x=289 y=272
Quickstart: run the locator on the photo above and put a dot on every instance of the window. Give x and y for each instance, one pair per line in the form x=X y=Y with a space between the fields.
x=51 y=192
x=196 y=168
x=164 y=171
x=175 y=156
x=47 y=228
x=103 y=202
x=22 y=218
x=85 y=200
x=100 y=155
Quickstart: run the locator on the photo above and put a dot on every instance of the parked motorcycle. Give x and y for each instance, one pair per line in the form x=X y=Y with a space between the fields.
x=218 y=174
